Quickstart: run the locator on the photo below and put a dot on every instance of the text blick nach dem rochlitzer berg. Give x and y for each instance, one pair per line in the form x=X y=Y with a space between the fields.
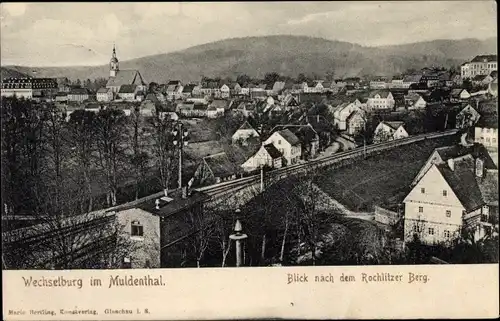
x=379 y=277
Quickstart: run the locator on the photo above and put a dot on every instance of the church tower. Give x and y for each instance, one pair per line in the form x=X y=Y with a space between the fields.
x=113 y=64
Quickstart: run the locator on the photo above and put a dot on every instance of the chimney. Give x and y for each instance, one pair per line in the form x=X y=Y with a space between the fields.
x=479 y=167
x=451 y=164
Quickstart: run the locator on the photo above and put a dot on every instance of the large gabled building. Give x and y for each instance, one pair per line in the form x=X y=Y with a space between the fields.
x=118 y=77
x=456 y=189
x=480 y=65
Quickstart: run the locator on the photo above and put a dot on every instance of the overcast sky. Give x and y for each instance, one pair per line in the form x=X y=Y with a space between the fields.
x=47 y=34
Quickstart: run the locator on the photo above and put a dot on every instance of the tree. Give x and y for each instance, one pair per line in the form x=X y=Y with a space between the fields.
x=153 y=87
x=22 y=153
x=310 y=219
x=163 y=148
x=271 y=77
x=204 y=228
x=139 y=157
x=110 y=138
x=57 y=153
x=302 y=78
x=82 y=130
x=243 y=79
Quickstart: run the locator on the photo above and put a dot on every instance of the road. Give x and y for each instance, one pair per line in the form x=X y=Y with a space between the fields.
x=345 y=143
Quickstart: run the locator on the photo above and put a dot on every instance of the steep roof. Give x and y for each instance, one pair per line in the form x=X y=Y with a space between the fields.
x=126 y=77
x=289 y=137
x=174 y=83
x=394 y=124
x=412 y=78
x=79 y=91
x=382 y=93
x=354 y=113
x=188 y=88
x=488 y=185
x=456 y=92
x=272 y=151
x=484 y=58
x=103 y=90
x=220 y=103
x=127 y=89
x=479 y=77
x=152 y=97
x=476 y=150
x=246 y=125
x=462 y=180
x=488 y=121
x=220 y=165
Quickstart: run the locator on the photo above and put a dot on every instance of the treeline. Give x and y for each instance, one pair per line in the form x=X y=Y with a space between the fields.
x=269 y=79
x=52 y=163
x=92 y=85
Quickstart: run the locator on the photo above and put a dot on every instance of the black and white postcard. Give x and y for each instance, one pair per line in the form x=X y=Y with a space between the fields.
x=224 y=160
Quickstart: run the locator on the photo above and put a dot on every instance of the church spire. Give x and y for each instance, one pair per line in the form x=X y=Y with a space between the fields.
x=113 y=64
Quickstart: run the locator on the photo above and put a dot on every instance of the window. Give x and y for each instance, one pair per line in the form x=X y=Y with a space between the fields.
x=431 y=231
x=448 y=213
x=446 y=233
x=445 y=193
x=137 y=229
x=422 y=190
x=420 y=209
x=279 y=141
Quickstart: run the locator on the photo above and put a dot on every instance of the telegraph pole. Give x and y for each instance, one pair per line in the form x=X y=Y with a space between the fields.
x=181 y=135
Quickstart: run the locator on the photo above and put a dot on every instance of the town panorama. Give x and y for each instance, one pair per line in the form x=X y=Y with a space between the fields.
x=274 y=150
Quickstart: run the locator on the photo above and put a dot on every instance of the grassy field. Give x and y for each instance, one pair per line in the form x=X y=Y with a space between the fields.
x=379 y=180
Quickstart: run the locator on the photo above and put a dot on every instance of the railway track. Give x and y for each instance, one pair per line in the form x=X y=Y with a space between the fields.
x=277 y=174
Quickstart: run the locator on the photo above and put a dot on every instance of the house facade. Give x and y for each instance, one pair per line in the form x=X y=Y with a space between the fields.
x=267 y=156
x=380 y=100
x=28 y=87
x=287 y=144
x=355 y=122
x=78 y=95
x=487 y=135
x=415 y=101
x=449 y=197
x=245 y=132
x=343 y=111
x=104 y=95
x=215 y=169
x=480 y=65
x=389 y=130
x=459 y=94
